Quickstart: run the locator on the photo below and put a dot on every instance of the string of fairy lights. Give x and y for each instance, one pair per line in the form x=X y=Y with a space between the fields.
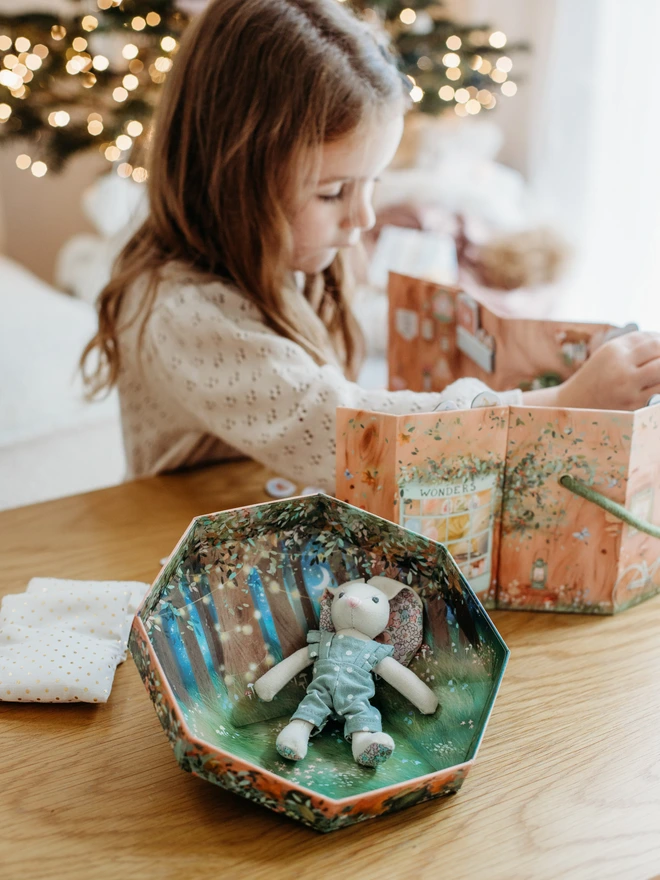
x=452 y=66
x=92 y=80
x=468 y=101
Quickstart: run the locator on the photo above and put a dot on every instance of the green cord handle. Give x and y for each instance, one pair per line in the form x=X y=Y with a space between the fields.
x=610 y=506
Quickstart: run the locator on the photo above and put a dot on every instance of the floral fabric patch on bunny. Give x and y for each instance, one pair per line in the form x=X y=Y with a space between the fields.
x=405 y=627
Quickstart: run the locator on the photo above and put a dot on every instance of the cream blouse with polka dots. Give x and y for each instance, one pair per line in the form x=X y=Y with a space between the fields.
x=212 y=381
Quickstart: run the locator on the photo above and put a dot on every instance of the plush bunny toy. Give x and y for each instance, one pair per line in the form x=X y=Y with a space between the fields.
x=343 y=685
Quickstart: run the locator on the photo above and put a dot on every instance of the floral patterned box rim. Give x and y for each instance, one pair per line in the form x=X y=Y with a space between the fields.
x=197 y=743
x=191 y=750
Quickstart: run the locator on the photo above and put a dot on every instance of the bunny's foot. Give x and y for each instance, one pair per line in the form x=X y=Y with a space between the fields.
x=292 y=740
x=371 y=749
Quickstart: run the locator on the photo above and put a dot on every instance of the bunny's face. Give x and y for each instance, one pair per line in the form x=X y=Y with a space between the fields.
x=362 y=607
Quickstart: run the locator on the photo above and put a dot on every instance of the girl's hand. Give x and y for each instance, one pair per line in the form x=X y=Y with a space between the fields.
x=622 y=374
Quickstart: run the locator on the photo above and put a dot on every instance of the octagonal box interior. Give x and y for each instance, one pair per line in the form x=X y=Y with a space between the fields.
x=239 y=593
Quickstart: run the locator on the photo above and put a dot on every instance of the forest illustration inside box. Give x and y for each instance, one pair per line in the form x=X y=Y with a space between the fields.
x=240 y=593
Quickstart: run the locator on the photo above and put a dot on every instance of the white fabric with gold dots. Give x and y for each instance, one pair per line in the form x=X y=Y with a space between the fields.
x=61 y=640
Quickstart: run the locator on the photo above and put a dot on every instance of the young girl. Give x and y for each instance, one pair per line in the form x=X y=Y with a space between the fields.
x=227 y=325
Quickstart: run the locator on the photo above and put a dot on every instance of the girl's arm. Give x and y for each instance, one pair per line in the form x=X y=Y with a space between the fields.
x=545 y=396
x=208 y=351
x=622 y=374
x=272 y=682
x=407 y=683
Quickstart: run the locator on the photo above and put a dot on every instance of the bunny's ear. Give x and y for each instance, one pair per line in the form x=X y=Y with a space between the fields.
x=335 y=590
x=386 y=585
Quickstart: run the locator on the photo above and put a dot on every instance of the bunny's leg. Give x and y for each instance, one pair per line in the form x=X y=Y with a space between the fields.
x=371 y=749
x=312 y=712
x=293 y=739
x=370 y=746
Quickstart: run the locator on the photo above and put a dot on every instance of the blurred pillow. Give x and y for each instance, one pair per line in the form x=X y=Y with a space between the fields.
x=42 y=335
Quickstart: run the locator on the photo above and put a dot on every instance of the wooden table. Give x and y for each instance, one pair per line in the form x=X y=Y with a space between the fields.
x=566 y=785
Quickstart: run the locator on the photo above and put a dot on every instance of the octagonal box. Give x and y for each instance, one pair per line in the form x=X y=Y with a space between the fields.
x=240 y=591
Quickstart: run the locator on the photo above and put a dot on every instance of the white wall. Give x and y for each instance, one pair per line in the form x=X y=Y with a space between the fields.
x=529 y=21
x=37 y=215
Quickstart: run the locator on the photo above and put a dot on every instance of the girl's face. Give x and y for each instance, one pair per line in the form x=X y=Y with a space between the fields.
x=336 y=207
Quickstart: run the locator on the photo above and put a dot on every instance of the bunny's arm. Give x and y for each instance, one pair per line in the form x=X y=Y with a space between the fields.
x=272 y=682
x=407 y=683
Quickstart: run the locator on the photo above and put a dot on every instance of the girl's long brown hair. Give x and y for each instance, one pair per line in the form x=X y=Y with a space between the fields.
x=257 y=87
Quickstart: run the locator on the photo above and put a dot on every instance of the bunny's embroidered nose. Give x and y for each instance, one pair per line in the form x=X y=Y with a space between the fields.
x=354 y=602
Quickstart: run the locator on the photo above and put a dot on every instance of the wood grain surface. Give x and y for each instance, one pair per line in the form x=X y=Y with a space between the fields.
x=566 y=785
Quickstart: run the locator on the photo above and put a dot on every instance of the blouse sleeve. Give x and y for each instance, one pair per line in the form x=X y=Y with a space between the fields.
x=514 y=397
x=259 y=392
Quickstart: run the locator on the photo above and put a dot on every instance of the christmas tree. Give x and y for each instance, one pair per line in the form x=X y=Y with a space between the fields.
x=451 y=66
x=86 y=74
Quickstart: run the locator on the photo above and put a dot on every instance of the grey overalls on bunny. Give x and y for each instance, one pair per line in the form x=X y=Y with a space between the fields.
x=343 y=684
